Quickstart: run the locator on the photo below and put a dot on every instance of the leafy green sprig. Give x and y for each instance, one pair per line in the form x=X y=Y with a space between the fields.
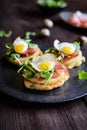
x=4 y=34
x=53 y=50
x=47 y=75
x=77 y=44
x=27 y=39
x=26 y=70
x=82 y=75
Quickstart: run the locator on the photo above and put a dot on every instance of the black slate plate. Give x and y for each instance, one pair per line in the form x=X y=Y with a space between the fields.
x=66 y=15
x=11 y=83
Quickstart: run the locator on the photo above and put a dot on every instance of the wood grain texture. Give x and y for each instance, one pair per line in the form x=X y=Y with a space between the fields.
x=21 y=16
x=19 y=115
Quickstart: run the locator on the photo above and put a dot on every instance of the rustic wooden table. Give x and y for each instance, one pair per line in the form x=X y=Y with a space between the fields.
x=21 y=16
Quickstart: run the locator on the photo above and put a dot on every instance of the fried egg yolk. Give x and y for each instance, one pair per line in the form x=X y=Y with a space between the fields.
x=20 y=46
x=44 y=66
x=67 y=50
x=43 y=63
x=65 y=47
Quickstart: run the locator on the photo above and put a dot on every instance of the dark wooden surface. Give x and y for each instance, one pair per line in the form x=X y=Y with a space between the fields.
x=21 y=16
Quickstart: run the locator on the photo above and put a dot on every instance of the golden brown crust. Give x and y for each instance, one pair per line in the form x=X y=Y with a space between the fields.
x=23 y=59
x=54 y=82
x=74 y=62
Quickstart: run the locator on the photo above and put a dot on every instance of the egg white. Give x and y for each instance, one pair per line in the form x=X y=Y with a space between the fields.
x=60 y=46
x=20 y=42
x=41 y=59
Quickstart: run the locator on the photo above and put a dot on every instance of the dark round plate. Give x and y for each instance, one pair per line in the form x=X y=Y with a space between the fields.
x=66 y=15
x=11 y=83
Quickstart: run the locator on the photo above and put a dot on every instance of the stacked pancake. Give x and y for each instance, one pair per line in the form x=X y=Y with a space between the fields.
x=44 y=73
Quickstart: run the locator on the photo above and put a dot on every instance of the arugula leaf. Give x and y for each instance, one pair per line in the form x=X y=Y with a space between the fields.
x=77 y=44
x=14 y=56
x=29 y=67
x=4 y=34
x=26 y=70
x=28 y=73
x=9 y=46
x=82 y=74
x=52 y=50
x=10 y=49
x=8 y=53
x=28 y=40
x=45 y=74
x=28 y=34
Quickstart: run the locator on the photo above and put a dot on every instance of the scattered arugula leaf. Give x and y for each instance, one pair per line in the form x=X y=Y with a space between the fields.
x=14 y=56
x=9 y=45
x=27 y=39
x=27 y=70
x=8 y=53
x=4 y=34
x=28 y=73
x=54 y=51
x=45 y=74
x=10 y=49
x=82 y=74
x=77 y=44
x=29 y=67
x=28 y=34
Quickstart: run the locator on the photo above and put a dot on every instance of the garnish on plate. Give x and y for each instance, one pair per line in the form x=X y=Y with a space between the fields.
x=4 y=34
x=82 y=74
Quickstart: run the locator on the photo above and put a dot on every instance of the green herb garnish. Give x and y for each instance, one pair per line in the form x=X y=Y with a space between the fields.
x=27 y=39
x=82 y=74
x=77 y=44
x=9 y=46
x=45 y=74
x=14 y=56
x=53 y=50
x=28 y=34
x=27 y=70
x=4 y=34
